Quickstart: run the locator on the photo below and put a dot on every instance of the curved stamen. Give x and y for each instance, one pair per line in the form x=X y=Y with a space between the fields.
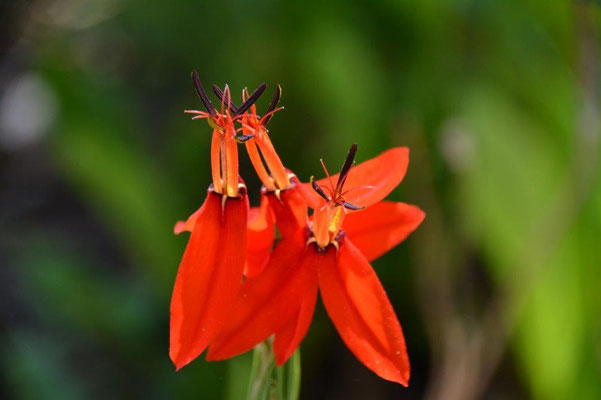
x=268 y=115
x=357 y=188
x=226 y=95
x=219 y=93
x=204 y=114
x=199 y=117
x=331 y=187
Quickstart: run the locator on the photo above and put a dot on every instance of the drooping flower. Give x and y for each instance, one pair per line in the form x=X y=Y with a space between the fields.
x=211 y=268
x=281 y=197
x=331 y=254
x=280 y=184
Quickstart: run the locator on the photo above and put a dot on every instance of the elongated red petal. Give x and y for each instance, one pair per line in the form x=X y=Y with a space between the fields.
x=292 y=334
x=289 y=209
x=368 y=182
x=359 y=308
x=381 y=227
x=266 y=303
x=208 y=278
x=261 y=234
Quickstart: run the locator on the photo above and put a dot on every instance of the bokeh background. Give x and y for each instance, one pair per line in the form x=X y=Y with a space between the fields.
x=498 y=292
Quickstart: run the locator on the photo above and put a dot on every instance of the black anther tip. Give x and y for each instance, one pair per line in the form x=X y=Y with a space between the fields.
x=319 y=190
x=244 y=138
x=274 y=102
x=201 y=93
x=346 y=167
x=252 y=99
x=352 y=207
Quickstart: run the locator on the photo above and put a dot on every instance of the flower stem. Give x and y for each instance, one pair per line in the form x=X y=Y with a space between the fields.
x=292 y=372
x=270 y=382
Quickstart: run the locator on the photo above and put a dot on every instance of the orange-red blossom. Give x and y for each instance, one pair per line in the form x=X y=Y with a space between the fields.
x=211 y=268
x=328 y=253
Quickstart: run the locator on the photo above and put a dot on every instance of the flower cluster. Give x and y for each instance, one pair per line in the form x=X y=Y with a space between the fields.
x=238 y=284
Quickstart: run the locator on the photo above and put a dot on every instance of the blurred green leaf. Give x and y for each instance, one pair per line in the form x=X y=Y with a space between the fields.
x=514 y=181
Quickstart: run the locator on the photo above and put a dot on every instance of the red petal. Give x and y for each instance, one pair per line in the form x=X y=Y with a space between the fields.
x=383 y=173
x=261 y=234
x=292 y=334
x=289 y=209
x=359 y=308
x=381 y=227
x=188 y=225
x=208 y=278
x=266 y=303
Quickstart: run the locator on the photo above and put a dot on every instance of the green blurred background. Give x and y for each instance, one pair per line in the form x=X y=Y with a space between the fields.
x=498 y=292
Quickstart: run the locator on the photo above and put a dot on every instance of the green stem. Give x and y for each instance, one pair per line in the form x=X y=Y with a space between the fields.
x=293 y=367
x=270 y=382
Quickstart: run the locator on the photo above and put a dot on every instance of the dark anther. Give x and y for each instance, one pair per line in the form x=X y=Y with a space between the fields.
x=340 y=237
x=252 y=98
x=352 y=207
x=244 y=138
x=319 y=190
x=273 y=105
x=348 y=163
x=319 y=250
x=202 y=94
x=233 y=108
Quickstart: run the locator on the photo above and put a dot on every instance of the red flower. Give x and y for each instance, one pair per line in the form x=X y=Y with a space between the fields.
x=330 y=254
x=279 y=184
x=279 y=194
x=211 y=268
